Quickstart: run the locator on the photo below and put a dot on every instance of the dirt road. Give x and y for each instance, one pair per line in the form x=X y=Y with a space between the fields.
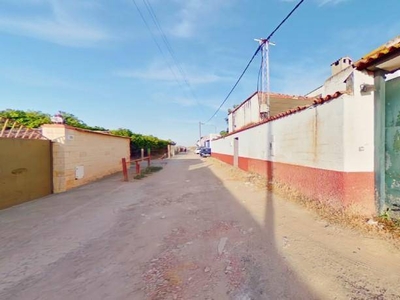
x=191 y=231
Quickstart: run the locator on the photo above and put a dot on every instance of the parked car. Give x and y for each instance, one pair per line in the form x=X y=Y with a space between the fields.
x=205 y=152
x=198 y=150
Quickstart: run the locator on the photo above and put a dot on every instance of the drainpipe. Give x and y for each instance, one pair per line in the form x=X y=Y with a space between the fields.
x=379 y=138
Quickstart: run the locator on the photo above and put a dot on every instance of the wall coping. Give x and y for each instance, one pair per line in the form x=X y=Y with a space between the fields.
x=82 y=130
x=317 y=102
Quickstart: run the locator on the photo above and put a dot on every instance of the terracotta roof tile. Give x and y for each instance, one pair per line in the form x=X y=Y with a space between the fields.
x=378 y=54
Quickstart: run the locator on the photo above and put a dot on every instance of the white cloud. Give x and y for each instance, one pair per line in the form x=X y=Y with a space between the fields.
x=160 y=72
x=186 y=102
x=321 y=2
x=192 y=14
x=31 y=77
x=58 y=22
x=333 y=2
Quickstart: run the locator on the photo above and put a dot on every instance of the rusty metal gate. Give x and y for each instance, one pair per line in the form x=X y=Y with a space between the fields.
x=25 y=164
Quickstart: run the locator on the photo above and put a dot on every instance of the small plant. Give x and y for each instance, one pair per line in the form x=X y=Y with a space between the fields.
x=386 y=215
x=153 y=169
x=139 y=176
x=147 y=171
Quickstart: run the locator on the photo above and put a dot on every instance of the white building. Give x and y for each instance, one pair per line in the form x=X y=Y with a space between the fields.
x=207 y=140
x=343 y=148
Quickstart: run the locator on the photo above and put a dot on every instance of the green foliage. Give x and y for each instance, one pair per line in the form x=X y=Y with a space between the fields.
x=223 y=133
x=231 y=110
x=74 y=121
x=35 y=119
x=147 y=171
x=140 y=141
x=148 y=141
x=122 y=132
x=29 y=118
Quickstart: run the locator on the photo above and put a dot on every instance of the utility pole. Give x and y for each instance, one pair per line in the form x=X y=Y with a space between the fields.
x=200 y=133
x=265 y=81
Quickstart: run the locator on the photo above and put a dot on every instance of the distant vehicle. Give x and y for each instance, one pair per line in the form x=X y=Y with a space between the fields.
x=197 y=151
x=205 y=152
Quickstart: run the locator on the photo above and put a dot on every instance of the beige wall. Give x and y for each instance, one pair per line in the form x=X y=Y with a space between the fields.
x=97 y=153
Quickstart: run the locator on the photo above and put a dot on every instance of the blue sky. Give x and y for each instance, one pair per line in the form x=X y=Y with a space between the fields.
x=97 y=60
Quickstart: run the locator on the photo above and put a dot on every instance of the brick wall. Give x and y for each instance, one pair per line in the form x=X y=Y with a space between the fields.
x=97 y=153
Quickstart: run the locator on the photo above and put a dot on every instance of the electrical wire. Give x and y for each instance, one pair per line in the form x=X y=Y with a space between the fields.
x=236 y=83
x=284 y=20
x=164 y=37
x=158 y=44
x=170 y=50
x=154 y=39
x=254 y=55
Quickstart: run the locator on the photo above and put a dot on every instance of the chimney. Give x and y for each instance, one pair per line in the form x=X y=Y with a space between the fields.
x=341 y=64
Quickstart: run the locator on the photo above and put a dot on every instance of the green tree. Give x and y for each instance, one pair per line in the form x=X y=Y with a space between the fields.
x=29 y=118
x=34 y=119
x=74 y=121
x=122 y=132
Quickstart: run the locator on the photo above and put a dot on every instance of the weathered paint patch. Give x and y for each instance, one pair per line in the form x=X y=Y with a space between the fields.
x=19 y=171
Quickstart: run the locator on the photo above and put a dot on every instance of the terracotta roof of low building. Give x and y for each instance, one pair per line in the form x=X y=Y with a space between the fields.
x=273 y=95
x=316 y=102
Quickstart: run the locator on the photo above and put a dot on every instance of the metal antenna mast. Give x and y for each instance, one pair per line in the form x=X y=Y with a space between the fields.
x=264 y=94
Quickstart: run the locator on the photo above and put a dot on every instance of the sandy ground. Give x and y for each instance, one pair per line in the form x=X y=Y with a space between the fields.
x=191 y=231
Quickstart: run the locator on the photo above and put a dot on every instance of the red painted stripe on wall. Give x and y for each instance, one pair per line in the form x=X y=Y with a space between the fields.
x=344 y=188
x=223 y=157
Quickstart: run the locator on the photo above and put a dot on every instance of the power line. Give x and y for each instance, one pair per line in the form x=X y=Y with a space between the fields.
x=236 y=83
x=158 y=45
x=171 y=51
x=254 y=55
x=284 y=20
x=169 y=48
x=164 y=37
x=155 y=39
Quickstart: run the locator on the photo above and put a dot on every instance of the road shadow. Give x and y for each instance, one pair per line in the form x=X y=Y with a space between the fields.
x=165 y=244
x=263 y=271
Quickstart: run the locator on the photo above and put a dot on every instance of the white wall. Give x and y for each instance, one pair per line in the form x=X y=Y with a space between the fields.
x=207 y=140
x=316 y=93
x=337 y=82
x=311 y=138
x=337 y=135
x=359 y=125
x=247 y=113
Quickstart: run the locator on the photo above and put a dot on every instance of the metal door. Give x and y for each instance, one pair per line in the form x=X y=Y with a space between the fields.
x=392 y=143
x=236 y=152
x=25 y=170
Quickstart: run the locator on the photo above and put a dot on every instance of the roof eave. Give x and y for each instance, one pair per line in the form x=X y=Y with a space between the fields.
x=381 y=58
